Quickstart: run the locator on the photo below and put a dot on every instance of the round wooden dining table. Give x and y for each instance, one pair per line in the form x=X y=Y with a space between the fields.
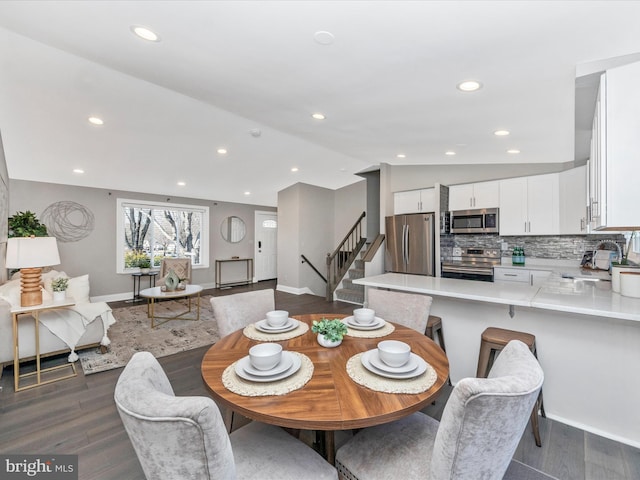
x=331 y=400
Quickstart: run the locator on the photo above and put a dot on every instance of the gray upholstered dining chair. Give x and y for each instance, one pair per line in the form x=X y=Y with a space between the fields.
x=481 y=426
x=408 y=309
x=184 y=437
x=232 y=312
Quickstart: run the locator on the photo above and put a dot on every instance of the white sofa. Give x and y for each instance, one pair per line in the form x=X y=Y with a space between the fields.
x=62 y=330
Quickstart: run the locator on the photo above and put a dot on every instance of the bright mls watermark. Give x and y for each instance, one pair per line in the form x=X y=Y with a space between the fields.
x=50 y=467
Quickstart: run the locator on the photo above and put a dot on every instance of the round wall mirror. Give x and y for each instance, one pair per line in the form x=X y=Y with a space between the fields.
x=233 y=229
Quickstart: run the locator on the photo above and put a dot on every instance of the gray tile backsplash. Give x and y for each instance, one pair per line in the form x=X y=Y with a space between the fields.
x=562 y=247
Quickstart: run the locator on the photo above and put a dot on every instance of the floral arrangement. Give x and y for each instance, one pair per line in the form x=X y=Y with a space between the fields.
x=333 y=330
x=59 y=284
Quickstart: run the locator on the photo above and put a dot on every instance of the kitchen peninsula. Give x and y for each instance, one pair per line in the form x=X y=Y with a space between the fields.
x=587 y=337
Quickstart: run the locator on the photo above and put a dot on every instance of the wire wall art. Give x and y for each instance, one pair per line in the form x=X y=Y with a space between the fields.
x=68 y=221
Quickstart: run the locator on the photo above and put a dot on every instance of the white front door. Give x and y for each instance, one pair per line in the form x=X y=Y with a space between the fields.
x=266 y=246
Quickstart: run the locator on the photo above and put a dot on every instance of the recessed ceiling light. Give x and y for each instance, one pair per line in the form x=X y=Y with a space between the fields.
x=247 y=193
x=501 y=133
x=449 y=152
x=78 y=170
x=145 y=33
x=401 y=155
x=513 y=150
x=222 y=151
x=318 y=116
x=469 y=86
x=324 y=38
x=181 y=184
x=96 y=121
x=294 y=169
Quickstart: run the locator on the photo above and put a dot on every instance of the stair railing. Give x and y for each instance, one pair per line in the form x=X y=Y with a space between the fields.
x=306 y=260
x=338 y=262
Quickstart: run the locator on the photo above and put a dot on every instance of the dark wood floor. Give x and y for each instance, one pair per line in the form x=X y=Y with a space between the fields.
x=78 y=416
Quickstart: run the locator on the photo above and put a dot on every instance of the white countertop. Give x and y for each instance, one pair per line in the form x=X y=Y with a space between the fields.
x=560 y=294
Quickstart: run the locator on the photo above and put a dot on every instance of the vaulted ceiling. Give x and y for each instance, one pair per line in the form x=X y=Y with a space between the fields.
x=246 y=76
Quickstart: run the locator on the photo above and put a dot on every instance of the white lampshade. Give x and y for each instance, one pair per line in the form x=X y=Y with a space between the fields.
x=32 y=252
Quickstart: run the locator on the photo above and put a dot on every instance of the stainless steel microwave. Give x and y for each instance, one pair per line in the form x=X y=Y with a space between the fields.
x=484 y=220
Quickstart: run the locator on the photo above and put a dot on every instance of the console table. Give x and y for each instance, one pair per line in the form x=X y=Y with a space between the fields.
x=249 y=277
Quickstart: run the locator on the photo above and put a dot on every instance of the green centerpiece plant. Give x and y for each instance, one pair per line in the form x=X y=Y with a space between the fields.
x=330 y=332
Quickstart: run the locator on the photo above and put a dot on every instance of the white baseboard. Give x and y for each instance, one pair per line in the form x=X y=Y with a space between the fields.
x=294 y=291
x=595 y=431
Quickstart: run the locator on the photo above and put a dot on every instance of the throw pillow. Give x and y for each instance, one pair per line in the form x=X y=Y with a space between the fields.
x=10 y=292
x=79 y=289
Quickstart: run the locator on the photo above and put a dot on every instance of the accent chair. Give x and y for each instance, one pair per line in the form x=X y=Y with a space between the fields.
x=181 y=266
x=481 y=426
x=184 y=437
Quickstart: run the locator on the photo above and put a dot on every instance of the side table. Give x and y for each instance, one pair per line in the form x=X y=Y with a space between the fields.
x=34 y=311
x=137 y=278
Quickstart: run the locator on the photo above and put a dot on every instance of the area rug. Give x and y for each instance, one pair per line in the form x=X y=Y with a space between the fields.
x=132 y=333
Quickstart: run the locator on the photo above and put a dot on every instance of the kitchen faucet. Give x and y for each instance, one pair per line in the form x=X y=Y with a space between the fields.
x=608 y=242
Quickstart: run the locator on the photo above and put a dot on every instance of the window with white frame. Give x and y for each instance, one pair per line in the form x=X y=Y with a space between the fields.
x=158 y=230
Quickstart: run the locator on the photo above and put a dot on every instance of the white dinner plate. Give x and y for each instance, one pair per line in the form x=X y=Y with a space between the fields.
x=240 y=371
x=285 y=364
x=376 y=361
x=377 y=323
x=263 y=326
x=419 y=370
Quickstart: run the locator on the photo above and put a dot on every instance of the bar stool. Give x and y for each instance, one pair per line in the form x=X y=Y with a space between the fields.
x=434 y=326
x=494 y=340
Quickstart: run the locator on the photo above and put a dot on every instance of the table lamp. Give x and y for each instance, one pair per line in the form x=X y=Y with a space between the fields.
x=30 y=254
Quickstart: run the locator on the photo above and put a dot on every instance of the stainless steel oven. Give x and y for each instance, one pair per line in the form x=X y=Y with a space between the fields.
x=471 y=264
x=483 y=220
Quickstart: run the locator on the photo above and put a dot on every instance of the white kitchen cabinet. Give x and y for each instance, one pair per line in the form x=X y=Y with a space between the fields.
x=520 y=275
x=474 y=195
x=573 y=201
x=614 y=194
x=415 y=201
x=529 y=205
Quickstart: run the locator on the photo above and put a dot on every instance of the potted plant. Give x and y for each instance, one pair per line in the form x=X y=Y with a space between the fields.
x=59 y=286
x=25 y=224
x=144 y=263
x=622 y=266
x=330 y=332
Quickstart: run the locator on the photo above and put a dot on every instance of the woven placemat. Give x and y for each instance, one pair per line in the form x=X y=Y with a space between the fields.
x=247 y=388
x=250 y=331
x=379 y=332
x=364 y=377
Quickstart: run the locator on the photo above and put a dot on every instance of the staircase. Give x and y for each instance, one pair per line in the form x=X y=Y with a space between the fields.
x=350 y=292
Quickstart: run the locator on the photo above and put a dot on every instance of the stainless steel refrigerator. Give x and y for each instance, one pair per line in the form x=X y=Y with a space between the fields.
x=410 y=244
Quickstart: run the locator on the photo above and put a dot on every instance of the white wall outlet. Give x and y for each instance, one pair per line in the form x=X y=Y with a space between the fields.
x=504 y=246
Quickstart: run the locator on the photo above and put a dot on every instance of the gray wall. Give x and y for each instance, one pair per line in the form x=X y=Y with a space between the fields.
x=311 y=221
x=349 y=203
x=4 y=211
x=96 y=253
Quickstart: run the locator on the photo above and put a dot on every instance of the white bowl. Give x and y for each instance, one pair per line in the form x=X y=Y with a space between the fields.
x=265 y=356
x=394 y=353
x=364 y=316
x=277 y=318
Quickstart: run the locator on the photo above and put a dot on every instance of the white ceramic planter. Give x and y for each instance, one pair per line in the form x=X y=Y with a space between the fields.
x=327 y=343
x=616 y=270
x=630 y=284
x=59 y=296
